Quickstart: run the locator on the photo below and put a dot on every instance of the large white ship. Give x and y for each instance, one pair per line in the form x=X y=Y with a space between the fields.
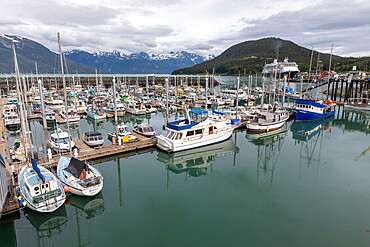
x=282 y=68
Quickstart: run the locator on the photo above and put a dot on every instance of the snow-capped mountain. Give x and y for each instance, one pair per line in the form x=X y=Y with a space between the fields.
x=142 y=62
x=29 y=51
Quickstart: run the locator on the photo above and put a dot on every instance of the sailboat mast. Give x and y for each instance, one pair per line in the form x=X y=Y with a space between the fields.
x=115 y=109
x=65 y=94
x=23 y=141
x=309 y=70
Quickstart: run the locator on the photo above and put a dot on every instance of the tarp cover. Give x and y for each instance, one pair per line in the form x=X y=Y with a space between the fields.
x=76 y=167
x=2 y=161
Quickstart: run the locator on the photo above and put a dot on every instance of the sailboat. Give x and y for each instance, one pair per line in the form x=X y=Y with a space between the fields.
x=39 y=189
x=80 y=177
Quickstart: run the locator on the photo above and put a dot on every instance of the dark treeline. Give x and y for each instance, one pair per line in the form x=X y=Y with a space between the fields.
x=253 y=55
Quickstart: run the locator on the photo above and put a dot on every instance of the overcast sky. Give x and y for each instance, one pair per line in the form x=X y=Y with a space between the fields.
x=200 y=26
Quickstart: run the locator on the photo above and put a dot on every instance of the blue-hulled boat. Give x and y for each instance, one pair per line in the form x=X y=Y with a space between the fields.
x=95 y=113
x=309 y=110
x=40 y=190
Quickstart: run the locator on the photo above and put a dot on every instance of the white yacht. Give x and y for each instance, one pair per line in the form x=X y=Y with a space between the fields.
x=281 y=69
x=195 y=131
x=59 y=141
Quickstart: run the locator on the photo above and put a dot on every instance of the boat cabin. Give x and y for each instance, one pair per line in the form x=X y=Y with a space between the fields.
x=93 y=139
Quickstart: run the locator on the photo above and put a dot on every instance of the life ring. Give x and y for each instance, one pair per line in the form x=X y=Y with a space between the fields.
x=326 y=72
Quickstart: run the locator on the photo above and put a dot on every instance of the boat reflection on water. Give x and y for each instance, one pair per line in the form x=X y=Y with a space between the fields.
x=47 y=225
x=194 y=162
x=304 y=131
x=134 y=119
x=309 y=135
x=269 y=144
x=90 y=206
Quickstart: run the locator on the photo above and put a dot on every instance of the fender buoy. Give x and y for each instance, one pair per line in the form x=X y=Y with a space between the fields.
x=66 y=188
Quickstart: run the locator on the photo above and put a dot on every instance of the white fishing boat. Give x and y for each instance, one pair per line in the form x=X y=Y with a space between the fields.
x=73 y=117
x=195 y=131
x=39 y=189
x=93 y=139
x=266 y=121
x=123 y=132
x=135 y=107
x=56 y=105
x=17 y=151
x=10 y=108
x=12 y=120
x=59 y=141
x=120 y=109
x=50 y=116
x=80 y=106
x=145 y=130
x=81 y=178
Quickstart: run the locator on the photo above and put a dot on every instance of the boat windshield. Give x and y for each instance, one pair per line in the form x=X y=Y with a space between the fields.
x=123 y=130
x=62 y=140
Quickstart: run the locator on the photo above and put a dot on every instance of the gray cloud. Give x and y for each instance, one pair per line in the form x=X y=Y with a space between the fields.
x=344 y=24
x=119 y=26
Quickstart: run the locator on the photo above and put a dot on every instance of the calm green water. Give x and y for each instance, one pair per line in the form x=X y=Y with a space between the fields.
x=304 y=185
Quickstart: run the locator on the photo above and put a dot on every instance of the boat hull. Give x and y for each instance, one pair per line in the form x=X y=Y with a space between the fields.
x=84 y=192
x=264 y=127
x=302 y=116
x=167 y=146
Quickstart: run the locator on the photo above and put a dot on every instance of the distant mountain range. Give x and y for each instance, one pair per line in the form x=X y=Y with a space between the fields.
x=29 y=51
x=253 y=55
x=137 y=63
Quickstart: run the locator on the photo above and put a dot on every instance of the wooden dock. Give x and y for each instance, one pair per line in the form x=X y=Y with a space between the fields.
x=11 y=202
x=87 y=153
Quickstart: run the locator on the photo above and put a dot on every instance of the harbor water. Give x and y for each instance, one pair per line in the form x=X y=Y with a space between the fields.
x=303 y=185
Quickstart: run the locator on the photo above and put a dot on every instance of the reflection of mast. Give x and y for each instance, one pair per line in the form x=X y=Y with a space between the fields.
x=235 y=144
x=268 y=149
x=168 y=178
x=119 y=183
x=78 y=228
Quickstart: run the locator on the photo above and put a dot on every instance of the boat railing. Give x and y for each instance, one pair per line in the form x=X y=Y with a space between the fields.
x=46 y=196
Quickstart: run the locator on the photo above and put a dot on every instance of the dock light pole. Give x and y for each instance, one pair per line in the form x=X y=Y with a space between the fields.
x=43 y=114
x=166 y=100
x=115 y=108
